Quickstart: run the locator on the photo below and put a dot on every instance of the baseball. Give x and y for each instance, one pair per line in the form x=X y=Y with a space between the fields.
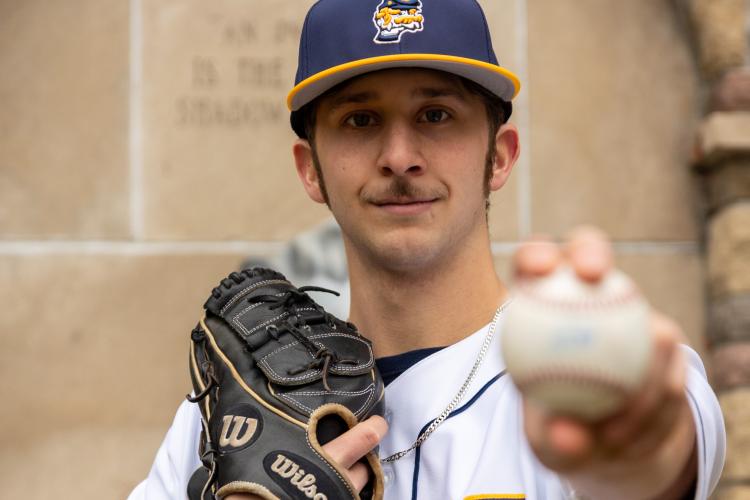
x=577 y=348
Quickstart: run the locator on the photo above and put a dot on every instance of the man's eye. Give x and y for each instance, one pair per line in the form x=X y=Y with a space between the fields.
x=360 y=120
x=434 y=116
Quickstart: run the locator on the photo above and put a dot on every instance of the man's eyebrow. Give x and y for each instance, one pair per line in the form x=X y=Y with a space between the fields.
x=432 y=92
x=352 y=98
x=365 y=96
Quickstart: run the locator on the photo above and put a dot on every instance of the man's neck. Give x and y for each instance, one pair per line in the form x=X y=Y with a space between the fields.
x=403 y=311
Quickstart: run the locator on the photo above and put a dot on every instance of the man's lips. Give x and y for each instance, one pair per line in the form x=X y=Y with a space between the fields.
x=401 y=197
x=405 y=206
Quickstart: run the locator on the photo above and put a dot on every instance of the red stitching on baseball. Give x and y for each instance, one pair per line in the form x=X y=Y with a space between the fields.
x=527 y=288
x=579 y=377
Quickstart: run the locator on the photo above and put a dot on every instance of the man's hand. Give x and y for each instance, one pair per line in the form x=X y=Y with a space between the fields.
x=347 y=450
x=646 y=450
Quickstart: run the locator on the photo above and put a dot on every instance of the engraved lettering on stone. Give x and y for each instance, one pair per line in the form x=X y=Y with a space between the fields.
x=203 y=112
x=286 y=32
x=233 y=426
x=259 y=72
x=239 y=82
x=304 y=482
x=205 y=74
x=240 y=33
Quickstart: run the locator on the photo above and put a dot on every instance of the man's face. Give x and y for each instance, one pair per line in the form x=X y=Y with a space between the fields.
x=402 y=153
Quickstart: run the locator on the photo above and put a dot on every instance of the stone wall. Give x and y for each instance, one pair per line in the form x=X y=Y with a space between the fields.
x=722 y=164
x=145 y=151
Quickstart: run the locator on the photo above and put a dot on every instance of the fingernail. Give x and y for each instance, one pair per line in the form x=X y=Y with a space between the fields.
x=379 y=425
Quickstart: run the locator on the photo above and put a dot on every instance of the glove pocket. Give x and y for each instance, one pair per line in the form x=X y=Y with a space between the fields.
x=290 y=363
x=340 y=371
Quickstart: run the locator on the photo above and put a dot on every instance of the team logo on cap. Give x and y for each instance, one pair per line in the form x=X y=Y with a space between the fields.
x=395 y=17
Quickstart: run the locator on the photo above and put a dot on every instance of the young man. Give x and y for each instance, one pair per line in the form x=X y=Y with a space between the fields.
x=401 y=110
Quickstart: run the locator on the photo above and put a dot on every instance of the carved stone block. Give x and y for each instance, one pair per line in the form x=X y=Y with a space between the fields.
x=730 y=366
x=727 y=182
x=112 y=458
x=729 y=251
x=64 y=120
x=720 y=29
x=600 y=153
x=732 y=492
x=723 y=135
x=732 y=92
x=217 y=160
x=729 y=319
x=735 y=406
x=99 y=312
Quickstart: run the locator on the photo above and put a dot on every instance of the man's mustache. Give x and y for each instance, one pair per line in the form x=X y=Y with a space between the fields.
x=402 y=189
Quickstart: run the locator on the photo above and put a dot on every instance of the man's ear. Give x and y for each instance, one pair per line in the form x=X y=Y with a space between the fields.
x=303 y=160
x=507 y=149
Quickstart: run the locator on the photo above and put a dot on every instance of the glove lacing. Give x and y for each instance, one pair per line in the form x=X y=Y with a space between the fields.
x=322 y=357
x=207 y=368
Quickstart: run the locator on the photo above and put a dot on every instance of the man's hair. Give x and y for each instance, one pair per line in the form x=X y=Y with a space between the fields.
x=497 y=111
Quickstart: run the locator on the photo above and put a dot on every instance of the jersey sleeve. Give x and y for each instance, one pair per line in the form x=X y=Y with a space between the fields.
x=709 y=426
x=176 y=459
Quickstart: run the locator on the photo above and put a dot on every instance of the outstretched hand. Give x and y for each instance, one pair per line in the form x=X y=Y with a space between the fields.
x=645 y=450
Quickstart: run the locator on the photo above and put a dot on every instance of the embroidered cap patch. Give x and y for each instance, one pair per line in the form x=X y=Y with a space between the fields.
x=393 y=18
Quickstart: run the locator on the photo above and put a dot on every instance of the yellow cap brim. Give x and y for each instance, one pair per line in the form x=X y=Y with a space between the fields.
x=496 y=79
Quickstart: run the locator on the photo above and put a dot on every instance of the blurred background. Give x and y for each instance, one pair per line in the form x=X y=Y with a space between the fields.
x=145 y=153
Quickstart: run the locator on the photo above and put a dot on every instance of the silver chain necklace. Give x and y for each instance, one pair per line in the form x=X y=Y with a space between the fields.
x=459 y=396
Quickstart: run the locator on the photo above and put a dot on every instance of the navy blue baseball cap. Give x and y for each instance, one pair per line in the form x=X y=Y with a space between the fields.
x=342 y=39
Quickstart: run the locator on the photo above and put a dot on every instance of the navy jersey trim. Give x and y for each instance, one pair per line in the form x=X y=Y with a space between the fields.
x=417 y=454
x=391 y=367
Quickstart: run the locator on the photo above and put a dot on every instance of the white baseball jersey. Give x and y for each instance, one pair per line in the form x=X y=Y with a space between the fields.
x=480 y=451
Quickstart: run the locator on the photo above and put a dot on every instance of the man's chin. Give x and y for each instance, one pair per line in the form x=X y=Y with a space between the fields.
x=406 y=255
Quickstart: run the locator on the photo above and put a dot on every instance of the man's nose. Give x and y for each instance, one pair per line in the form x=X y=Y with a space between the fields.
x=400 y=152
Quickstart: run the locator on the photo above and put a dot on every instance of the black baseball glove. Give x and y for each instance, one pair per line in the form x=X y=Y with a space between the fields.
x=277 y=377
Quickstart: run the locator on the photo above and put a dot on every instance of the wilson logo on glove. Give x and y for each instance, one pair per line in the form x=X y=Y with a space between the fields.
x=241 y=428
x=291 y=475
x=235 y=440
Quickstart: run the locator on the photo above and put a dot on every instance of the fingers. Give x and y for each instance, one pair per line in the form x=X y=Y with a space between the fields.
x=357 y=442
x=536 y=257
x=587 y=250
x=559 y=443
x=620 y=429
x=349 y=448
x=359 y=474
x=652 y=413
x=569 y=438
